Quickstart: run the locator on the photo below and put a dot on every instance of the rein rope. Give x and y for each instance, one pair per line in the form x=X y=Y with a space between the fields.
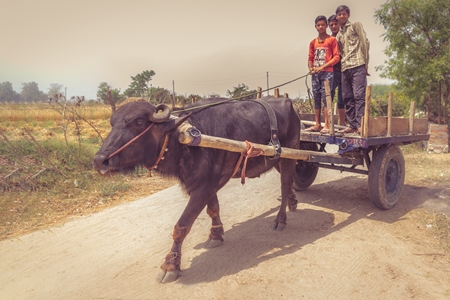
x=244 y=96
x=131 y=141
x=161 y=152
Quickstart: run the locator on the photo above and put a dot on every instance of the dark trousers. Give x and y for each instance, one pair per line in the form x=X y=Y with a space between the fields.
x=354 y=82
x=337 y=86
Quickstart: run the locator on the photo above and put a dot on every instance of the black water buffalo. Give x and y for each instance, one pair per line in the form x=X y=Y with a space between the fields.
x=202 y=172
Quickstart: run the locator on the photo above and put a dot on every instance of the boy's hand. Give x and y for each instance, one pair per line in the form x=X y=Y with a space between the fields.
x=314 y=70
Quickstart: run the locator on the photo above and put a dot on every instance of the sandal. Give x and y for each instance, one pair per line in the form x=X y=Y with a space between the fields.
x=313 y=129
x=347 y=130
x=325 y=131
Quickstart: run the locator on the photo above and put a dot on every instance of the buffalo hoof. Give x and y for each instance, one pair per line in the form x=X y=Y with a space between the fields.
x=292 y=207
x=278 y=226
x=213 y=243
x=169 y=276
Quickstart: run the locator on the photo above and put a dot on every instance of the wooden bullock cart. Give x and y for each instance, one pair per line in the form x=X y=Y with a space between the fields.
x=375 y=152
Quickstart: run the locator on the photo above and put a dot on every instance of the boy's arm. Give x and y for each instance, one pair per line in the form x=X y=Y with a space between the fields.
x=364 y=42
x=311 y=55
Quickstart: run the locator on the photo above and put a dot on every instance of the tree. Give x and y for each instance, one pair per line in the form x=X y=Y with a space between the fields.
x=139 y=84
x=161 y=95
x=380 y=97
x=31 y=93
x=108 y=95
x=241 y=92
x=419 y=51
x=55 y=88
x=7 y=93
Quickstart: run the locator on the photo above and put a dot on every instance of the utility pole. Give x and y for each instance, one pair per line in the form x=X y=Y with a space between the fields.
x=150 y=92
x=267 y=83
x=173 y=94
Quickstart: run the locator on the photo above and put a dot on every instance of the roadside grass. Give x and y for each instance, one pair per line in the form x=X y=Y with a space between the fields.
x=425 y=169
x=46 y=174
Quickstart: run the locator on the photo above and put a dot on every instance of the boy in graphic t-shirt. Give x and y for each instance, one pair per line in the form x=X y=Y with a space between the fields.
x=323 y=55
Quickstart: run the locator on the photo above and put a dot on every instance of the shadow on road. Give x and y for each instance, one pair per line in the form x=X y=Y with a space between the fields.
x=252 y=242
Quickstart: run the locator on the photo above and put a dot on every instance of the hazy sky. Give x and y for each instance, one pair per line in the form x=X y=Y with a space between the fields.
x=204 y=46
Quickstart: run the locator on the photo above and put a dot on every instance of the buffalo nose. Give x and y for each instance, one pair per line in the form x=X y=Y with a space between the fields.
x=100 y=161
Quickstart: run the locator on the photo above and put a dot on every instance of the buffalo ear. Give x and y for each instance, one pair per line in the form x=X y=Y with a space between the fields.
x=161 y=114
x=173 y=124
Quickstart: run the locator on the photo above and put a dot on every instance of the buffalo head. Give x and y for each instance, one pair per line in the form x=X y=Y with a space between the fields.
x=132 y=121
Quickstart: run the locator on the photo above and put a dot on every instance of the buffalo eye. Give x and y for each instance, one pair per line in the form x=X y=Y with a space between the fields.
x=140 y=122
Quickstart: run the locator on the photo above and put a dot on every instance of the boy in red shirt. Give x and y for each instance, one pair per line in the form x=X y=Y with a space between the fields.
x=323 y=55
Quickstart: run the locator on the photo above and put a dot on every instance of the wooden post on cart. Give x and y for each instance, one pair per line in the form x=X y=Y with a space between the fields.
x=276 y=93
x=258 y=95
x=389 y=120
x=412 y=112
x=329 y=109
x=365 y=120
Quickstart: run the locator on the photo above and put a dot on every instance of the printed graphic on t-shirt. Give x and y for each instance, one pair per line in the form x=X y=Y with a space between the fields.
x=319 y=57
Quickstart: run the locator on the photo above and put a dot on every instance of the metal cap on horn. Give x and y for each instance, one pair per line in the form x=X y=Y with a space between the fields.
x=161 y=114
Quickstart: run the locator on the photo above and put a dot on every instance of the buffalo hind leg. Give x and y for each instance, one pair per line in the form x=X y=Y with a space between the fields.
x=215 y=236
x=287 y=169
x=170 y=269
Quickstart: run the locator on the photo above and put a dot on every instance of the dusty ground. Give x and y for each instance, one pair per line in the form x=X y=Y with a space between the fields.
x=337 y=245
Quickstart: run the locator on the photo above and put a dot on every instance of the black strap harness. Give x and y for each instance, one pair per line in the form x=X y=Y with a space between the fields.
x=274 y=141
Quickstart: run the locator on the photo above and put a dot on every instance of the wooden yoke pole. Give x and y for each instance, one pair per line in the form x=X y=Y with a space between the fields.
x=184 y=137
x=329 y=109
x=365 y=123
x=389 y=124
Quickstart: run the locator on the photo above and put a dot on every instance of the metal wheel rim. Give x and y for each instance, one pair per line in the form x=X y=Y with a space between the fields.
x=392 y=176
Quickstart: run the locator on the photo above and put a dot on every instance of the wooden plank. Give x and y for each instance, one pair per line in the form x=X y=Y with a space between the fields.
x=420 y=126
x=400 y=126
x=310 y=117
x=377 y=126
x=312 y=123
x=306 y=117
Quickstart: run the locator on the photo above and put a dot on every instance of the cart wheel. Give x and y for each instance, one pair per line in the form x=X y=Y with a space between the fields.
x=386 y=176
x=305 y=172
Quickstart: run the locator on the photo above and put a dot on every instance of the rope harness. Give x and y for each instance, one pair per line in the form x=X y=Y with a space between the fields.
x=161 y=152
x=251 y=152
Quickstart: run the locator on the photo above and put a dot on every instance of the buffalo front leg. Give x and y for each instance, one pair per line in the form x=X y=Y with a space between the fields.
x=287 y=169
x=215 y=236
x=170 y=269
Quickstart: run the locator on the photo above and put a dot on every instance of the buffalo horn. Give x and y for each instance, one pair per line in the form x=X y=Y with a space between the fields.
x=161 y=114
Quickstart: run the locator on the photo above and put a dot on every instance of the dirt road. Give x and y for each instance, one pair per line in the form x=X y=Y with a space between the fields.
x=337 y=245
